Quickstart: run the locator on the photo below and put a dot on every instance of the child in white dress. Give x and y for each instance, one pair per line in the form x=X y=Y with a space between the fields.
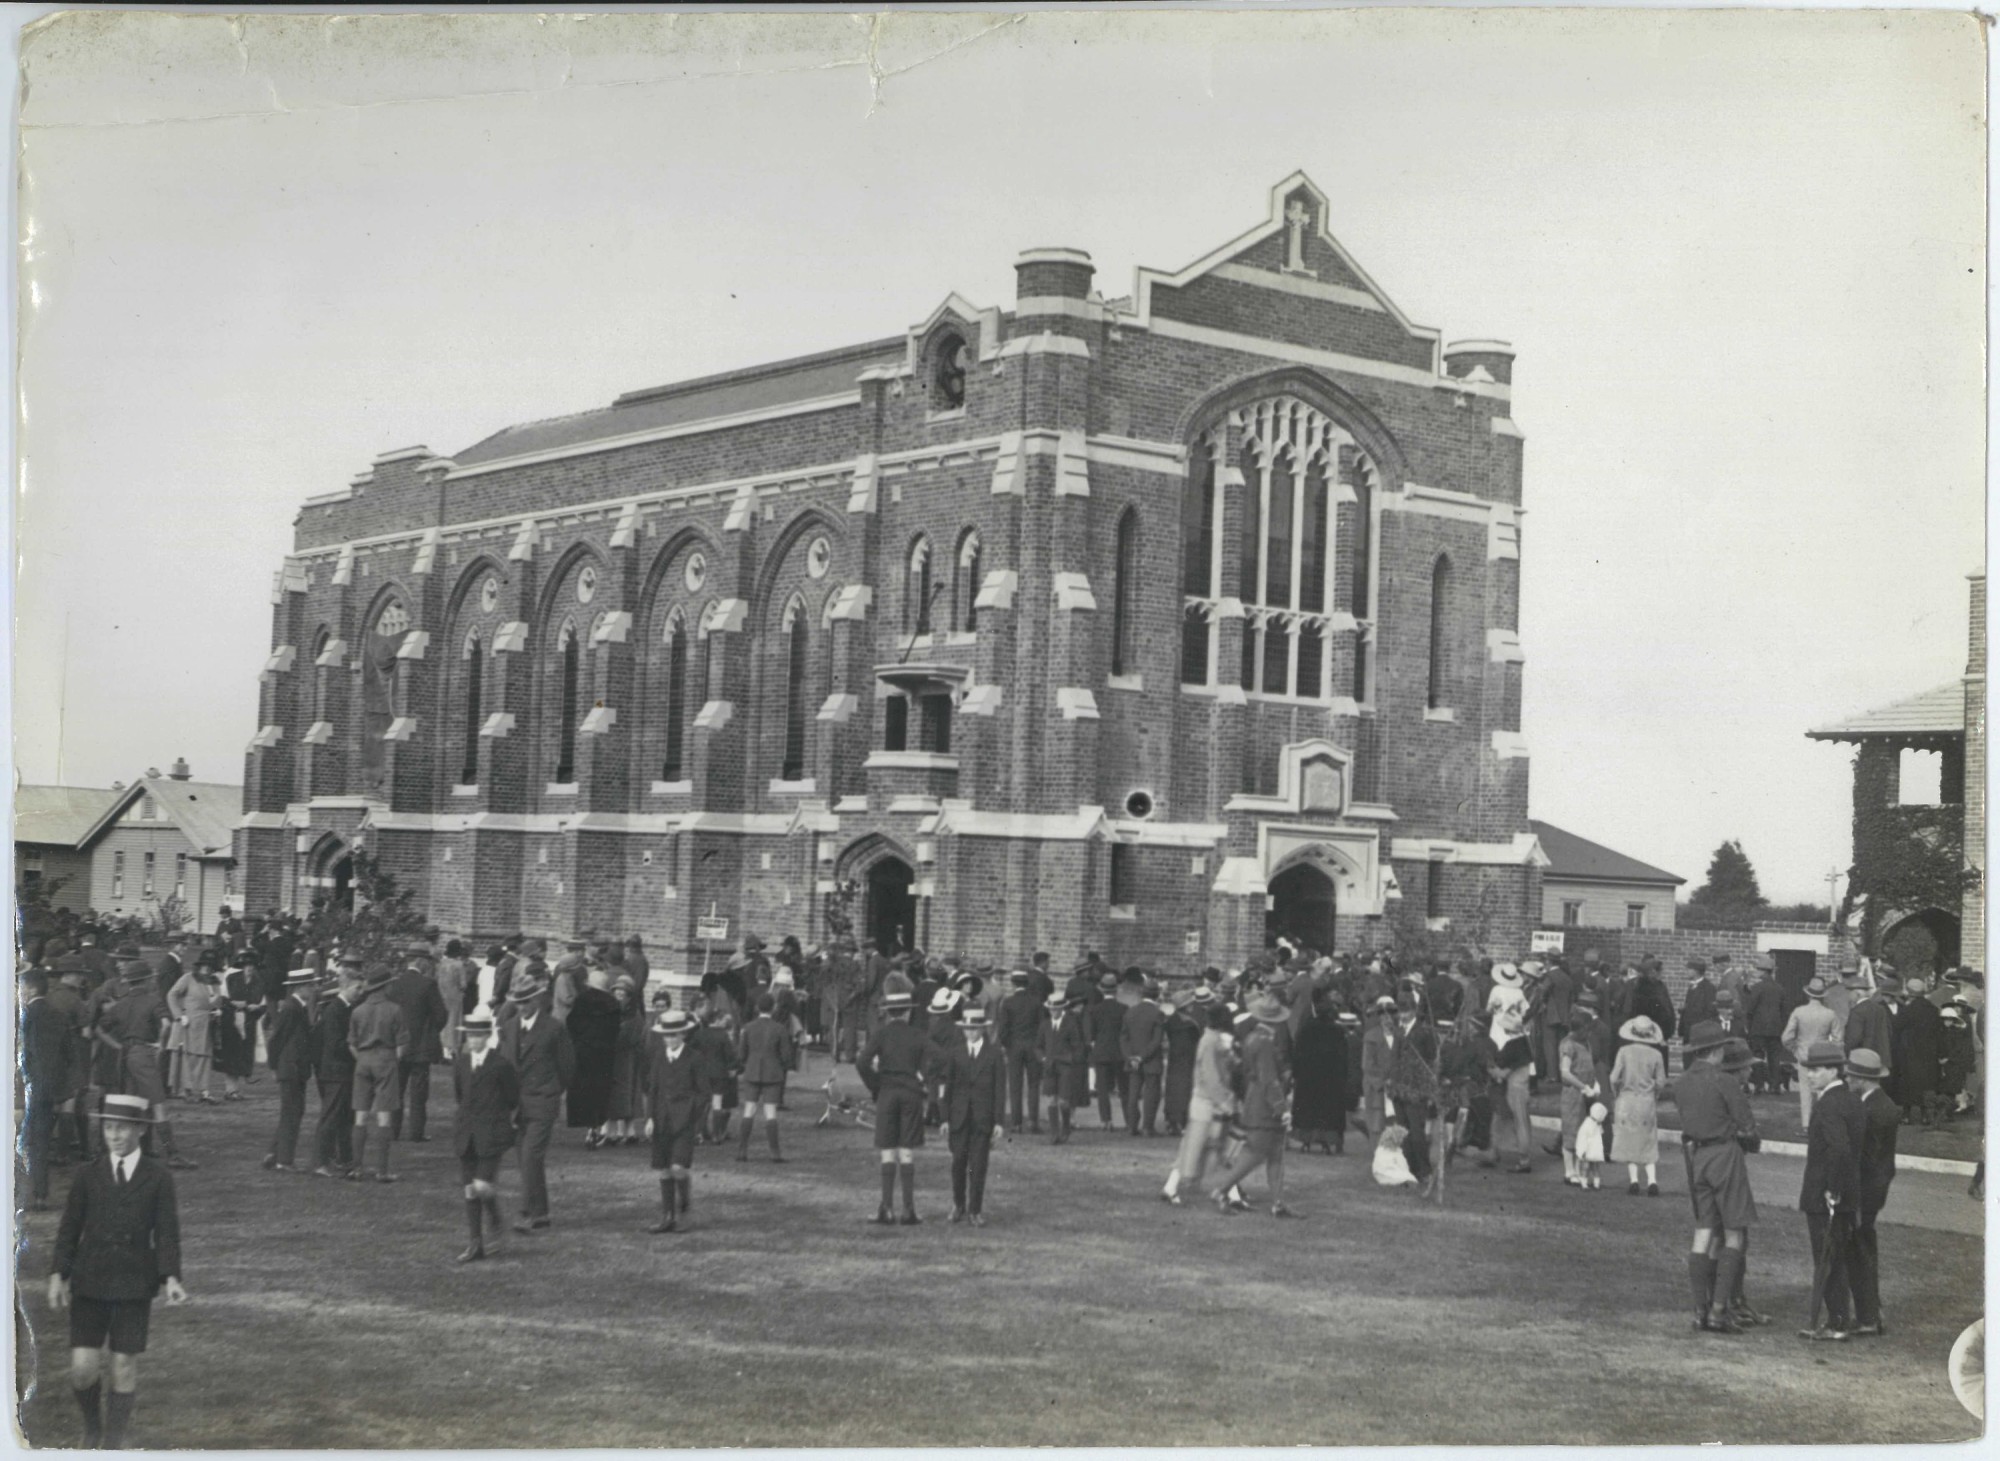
x=1590 y=1145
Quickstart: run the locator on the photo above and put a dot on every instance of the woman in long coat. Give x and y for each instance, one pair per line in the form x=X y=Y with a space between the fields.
x=194 y=1002
x=1319 y=1079
x=625 y=1106
x=593 y=1024
x=1637 y=1074
x=235 y=1038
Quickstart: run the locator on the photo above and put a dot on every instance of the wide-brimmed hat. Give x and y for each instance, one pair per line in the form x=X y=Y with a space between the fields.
x=1532 y=968
x=127 y=1108
x=1825 y=1053
x=1866 y=1064
x=1507 y=976
x=377 y=983
x=1853 y=979
x=526 y=987
x=1764 y=962
x=135 y=971
x=1815 y=987
x=1736 y=1055
x=1641 y=1030
x=1268 y=1008
x=943 y=1001
x=1703 y=1035
x=1956 y=1011
x=1968 y=975
x=673 y=1022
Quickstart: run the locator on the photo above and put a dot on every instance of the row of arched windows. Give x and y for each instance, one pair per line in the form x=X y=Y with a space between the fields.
x=920 y=590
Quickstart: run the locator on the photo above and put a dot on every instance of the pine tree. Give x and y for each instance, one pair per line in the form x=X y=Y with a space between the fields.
x=1730 y=897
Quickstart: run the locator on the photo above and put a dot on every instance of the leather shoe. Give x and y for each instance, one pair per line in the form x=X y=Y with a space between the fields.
x=665 y=1225
x=1751 y=1318
x=957 y=1215
x=1710 y=1322
x=1867 y=1331
x=271 y=1162
x=909 y=1219
x=884 y=1218
x=531 y=1225
x=978 y=1220
x=472 y=1254
x=1826 y=1333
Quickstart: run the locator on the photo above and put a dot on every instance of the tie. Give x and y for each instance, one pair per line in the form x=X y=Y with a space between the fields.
x=118 y=1170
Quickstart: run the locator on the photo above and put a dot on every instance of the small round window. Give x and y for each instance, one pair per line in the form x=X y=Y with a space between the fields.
x=948 y=375
x=586 y=583
x=696 y=572
x=818 y=557
x=395 y=620
x=489 y=592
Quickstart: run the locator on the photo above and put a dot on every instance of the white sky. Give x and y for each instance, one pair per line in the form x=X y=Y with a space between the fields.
x=1741 y=255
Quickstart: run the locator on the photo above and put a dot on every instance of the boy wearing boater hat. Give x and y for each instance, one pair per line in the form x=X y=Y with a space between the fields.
x=379 y=1040
x=118 y=1245
x=489 y=1093
x=1717 y=1127
x=677 y=1104
x=892 y=1067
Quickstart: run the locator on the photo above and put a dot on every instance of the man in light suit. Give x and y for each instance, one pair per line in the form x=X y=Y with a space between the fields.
x=538 y=1047
x=975 y=1076
x=764 y=1051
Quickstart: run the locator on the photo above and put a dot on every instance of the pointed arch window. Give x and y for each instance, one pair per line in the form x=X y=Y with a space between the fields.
x=1437 y=688
x=468 y=770
x=917 y=589
x=965 y=584
x=569 y=672
x=677 y=673
x=796 y=651
x=711 y=657
x=1125 y=596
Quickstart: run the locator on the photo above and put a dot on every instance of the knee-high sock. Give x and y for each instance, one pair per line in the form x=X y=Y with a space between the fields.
x=118 y=1417
x=909 y=1171
x=1728 y=1277
x=1736 y=1290
x=491 y=1206
x=387 y=1142
x=87 y=1401
x=771 y=1134
x=888 y=1185
x=743 y=1139
x=361 y=1148
x=684 y=1186
x=475 y=1210
x=669 y=1192
x=1701 y=1279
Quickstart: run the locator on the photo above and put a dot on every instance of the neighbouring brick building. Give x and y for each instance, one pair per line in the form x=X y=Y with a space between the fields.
x=1154 y=625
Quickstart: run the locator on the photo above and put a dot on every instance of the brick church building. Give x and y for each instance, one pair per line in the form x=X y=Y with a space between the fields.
x=1157 y=625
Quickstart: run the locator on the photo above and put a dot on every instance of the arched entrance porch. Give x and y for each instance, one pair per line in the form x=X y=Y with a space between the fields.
x=1923 y=942
x=884 y=875
x=330 y=873
x=1301 y=906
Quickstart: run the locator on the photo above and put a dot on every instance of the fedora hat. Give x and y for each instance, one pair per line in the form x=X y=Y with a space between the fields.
x=1815 y=987
x=1825 y=1053
x=127 y=1108
x=1057 y=1003
x=1736 y=1055
x=1763 y=962
x=527 y=987
x=1866 y=1064
x=1266 y=1007
x=1640 y=1030
x=1705 y=1035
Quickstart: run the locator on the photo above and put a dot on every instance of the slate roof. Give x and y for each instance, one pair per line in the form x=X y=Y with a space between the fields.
x=1574 y=857
x=1939 y=712
x=807 y=378
x=58 y=816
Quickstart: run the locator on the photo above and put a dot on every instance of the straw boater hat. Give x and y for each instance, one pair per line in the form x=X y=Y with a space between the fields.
x=1347 y=1017
x=1640 y=1030
x=895 y=999
x=127 y=1108
x=973 y=1017
x=673 y=1022
x=1057 y=1003
x=479 y=1022
x=1384 y=1003
x=1702 y=1035
x=1019 y=978
x=299 y=978
x=1507 y=975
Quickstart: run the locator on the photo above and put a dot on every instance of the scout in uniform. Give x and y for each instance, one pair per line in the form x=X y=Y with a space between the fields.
x=130 y=1027
x=379 y=1041
x=118 y=1245
x=676 y=1105
x=764 y=1054
x=975 y=1075
x=892 y=1067
x=489 y=1092
x=1716 y=1128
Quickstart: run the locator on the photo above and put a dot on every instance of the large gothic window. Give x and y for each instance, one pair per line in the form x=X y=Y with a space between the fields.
x=1297 y=467
x=1436 y=690
x=1125 y=596
x=378 y=680
x=965 y=584
x=794 y=768
x=677 y=673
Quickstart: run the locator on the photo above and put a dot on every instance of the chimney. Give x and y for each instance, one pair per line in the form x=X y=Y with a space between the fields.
x=153 y=773
x=1480 y=360
x=180 y=771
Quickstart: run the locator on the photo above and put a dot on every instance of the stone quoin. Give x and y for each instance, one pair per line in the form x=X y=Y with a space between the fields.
x=1157 y=625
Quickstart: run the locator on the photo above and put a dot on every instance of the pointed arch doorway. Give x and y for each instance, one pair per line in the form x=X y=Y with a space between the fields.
x=891 y=910
x=1301 y=907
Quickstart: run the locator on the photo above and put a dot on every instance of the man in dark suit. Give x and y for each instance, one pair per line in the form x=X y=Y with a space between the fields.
x=1830 y=1189
x=415 y=993
x=333 y=1068
x=46 y=1052
x=538 y=1047
x=489 y=1094
x=1764 y=1013
x=289 y=1048
x=676 y=1106
x=764 y=1051
x=1880 y=1118
x=1023 y=1017
x=1142 y=1042
x=1106 y=1022
x=974 y=1074
x=1699 y=1006
x=118 y=1245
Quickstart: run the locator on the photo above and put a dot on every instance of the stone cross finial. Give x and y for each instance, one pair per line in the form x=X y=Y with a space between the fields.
x=1296 y=218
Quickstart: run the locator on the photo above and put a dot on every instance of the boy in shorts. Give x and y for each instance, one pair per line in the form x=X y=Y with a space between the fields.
x=893 y=1069
x=377 y=1036
x=677 y=1104
x=489 y=1093
x=119 y=1244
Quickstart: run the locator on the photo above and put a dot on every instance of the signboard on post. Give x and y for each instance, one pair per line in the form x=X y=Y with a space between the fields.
x=1545 y=941
x=712 y=930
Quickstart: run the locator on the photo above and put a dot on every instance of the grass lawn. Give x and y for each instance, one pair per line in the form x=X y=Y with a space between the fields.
x=1088 y=1313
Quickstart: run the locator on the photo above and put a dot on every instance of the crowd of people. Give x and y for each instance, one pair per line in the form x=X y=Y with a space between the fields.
x=1432 y=1060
